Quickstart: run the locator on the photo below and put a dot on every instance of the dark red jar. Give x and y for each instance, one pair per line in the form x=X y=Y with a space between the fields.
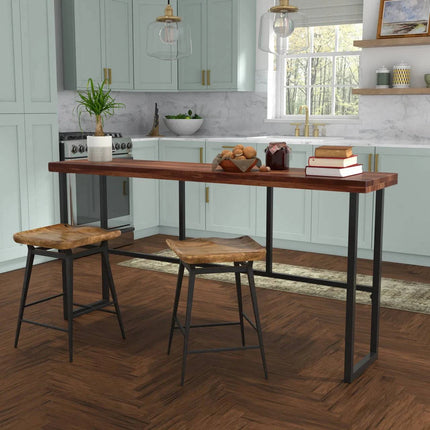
x=278 y=156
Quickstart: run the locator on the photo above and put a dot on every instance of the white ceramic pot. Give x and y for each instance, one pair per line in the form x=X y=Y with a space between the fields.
x=183 y=127
x=99 y=148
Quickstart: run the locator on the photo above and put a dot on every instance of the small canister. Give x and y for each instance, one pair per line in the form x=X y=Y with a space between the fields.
x=277 y=156
x=401 y=75
x=382 y=77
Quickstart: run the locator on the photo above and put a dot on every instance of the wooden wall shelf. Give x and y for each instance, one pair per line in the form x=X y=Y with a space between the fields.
x=390 y=91
x=400 y=41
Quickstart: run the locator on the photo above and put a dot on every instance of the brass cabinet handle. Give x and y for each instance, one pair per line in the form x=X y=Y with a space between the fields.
x=369 y=168
x=203 y=78
x=201 y=155
x=227 y=146
x=207 y=194
x=110 y=76
x=376 y=162
x=105 y=75
x=208 y=72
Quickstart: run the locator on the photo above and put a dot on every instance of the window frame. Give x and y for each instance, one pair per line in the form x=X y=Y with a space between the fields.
x=276 y=90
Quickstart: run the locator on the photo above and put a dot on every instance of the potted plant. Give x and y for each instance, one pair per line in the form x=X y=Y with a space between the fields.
x=184 y=124
x=97 y=101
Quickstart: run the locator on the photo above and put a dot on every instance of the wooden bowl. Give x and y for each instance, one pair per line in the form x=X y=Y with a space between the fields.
x=229 y=166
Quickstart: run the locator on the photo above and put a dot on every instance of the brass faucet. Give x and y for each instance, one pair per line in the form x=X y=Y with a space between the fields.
x=306 y=129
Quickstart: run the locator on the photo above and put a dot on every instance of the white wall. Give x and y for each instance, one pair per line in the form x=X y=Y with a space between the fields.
x=397 y=119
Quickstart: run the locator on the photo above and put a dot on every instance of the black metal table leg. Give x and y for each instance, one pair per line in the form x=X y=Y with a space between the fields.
x=351 y=287
x=181 y=210
x=104 y=224
x=269 y=230
x=62 y=182
x=376 y=284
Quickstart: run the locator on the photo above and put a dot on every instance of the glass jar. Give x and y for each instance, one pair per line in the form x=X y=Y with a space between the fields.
x=277 y=156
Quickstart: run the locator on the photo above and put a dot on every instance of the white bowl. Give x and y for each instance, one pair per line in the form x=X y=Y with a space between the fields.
x=183 y=127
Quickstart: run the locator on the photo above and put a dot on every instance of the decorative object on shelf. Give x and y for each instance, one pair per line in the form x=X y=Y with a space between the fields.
x=184 y=124
x=168 y=37
x=401 y=75
x=382 y=77
x=406 y=18
x=98 y=102
x=276 y=27
x=155 y=131
x=427 y=79
x=278 y=156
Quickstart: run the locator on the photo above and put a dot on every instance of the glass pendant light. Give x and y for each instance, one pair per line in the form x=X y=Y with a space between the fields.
x=276 y=27
x=168 y=38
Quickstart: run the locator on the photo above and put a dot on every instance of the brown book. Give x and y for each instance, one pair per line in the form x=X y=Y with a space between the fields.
x=333 y=151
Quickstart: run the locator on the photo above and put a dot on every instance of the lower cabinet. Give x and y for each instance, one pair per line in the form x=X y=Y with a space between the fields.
x=189 y=151
x=407 y=204
x=330 y=212
x=291 y=208
x=29 y=191
x=145 y=192
x=229 y=208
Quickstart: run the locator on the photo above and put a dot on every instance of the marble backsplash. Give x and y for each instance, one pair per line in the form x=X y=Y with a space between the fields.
x=400 y=119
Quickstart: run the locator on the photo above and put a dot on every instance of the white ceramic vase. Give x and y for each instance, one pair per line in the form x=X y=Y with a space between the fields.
x=99 y=148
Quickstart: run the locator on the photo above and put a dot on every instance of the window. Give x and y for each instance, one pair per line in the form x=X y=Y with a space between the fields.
x=321 y=77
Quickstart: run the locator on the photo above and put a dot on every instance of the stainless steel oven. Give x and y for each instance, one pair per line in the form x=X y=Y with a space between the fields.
x=83 y=190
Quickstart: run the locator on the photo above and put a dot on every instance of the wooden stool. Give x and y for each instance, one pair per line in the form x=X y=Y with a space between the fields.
x=198 y=256
x=65 y=237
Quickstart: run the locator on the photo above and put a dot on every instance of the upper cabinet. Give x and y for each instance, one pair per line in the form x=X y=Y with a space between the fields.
x=223 y=41
x=98 y=43
x=150 y=73
x=27 y=48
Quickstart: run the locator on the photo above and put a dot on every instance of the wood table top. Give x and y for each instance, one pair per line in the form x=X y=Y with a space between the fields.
x=202 y=172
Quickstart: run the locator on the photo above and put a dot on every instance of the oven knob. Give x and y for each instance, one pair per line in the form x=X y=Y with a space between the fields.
x=129 y=145
x=116 y=145
x=81 y=148
x=74 y=149
x=123 y=145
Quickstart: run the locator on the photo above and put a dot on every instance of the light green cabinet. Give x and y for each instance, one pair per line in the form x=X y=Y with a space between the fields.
x=189 y=151
x=223 y=40
x=98 y=43
x=330 y=212
x=229 y=208
x=407 y=205
x=150 y=73
x=291 y=208
x=145 y=192
x=27 y=48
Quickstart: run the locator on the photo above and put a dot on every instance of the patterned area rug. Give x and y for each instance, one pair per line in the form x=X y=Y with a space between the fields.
x=396 y=294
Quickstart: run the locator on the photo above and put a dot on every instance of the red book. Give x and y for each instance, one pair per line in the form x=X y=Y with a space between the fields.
x=332 y=161
x=336 y=172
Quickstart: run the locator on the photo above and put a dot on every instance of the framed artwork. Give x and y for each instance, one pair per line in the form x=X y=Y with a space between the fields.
x=403 y=18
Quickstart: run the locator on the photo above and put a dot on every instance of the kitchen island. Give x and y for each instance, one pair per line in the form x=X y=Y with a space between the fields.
x=368 y=182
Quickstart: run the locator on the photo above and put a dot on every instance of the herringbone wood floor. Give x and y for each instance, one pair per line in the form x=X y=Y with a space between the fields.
x=133 y=384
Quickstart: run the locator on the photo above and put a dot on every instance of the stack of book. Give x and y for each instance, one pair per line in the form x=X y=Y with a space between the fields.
x=335 y=161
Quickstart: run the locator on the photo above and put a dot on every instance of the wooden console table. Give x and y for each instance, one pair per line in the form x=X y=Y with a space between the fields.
x=292 y=178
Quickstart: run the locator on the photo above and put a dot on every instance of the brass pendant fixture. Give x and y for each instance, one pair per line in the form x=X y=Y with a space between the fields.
x=167 y=37
x=277 y=25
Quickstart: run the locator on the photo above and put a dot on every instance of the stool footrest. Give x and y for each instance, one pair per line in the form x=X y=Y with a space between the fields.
x=43 y=300
x=44 y=325
x=251 y=323
x=96 y=306
x=233 y=348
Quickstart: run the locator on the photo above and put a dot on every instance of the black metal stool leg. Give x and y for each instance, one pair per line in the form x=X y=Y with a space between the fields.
x=108 y=273
x=176 y=303
x=63 y=262
x=191 y=282
x=256 y=314
x=69 y=294
x=239 y=302
x=26 y=284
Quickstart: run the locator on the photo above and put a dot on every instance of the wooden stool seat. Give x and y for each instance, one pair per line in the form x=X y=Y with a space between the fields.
x=58 y=241
x=217 y=250
x=64 y=236
x=201 y=257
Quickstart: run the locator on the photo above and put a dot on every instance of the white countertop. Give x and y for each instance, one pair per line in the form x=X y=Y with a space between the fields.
x=321 y=140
